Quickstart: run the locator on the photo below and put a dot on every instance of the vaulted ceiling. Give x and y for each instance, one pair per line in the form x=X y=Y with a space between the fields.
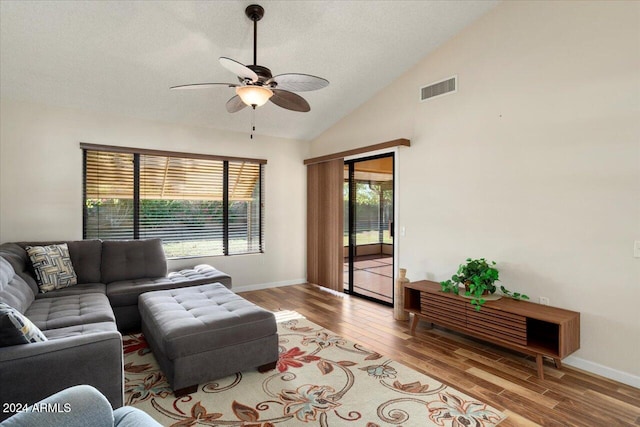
x=121 y=57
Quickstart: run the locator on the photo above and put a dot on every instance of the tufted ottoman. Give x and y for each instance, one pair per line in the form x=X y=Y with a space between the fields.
x=205 y=332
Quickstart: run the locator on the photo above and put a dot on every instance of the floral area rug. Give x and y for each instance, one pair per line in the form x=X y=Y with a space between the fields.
x=321 y=379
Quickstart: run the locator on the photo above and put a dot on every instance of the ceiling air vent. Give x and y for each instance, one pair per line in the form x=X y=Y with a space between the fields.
x=443 y=87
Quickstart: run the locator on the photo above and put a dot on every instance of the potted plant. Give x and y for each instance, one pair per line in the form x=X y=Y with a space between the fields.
x=478 y=277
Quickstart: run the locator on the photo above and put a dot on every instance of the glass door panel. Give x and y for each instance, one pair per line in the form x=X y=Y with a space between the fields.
x=368 y=239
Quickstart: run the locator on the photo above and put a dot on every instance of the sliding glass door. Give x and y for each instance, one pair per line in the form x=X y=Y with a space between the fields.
x=368 y=228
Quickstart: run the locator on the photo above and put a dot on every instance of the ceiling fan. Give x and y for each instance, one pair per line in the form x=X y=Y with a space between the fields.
x=257 y=84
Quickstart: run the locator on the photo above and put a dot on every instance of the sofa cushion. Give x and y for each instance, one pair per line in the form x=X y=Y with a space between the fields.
x=52 y=265
x=52 y=313
x=72 y=331
x=126 y=292
x=92 y=288
x=17 y=257
x=6 y=272
x=13 y=289
x=132 y=259
x=16 y=329
x=86 y=257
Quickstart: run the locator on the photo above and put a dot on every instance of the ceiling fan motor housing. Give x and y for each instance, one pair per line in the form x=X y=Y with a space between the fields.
x=263 y=73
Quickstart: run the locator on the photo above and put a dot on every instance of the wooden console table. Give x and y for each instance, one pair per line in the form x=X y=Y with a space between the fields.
x=534 y=329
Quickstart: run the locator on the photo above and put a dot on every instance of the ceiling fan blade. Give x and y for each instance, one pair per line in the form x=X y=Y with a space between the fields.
x=235 y=104
x=238 y=69
x=299 y=82
x=289 y=100
x=203 y=85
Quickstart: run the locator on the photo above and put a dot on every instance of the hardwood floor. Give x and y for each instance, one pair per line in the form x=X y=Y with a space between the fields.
x=504 y=379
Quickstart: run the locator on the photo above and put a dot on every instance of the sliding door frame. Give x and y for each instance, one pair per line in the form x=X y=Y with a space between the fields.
x=350 y=160
x=371 y=150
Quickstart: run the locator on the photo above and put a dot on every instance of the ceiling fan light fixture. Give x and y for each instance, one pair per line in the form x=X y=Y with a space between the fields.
x=257 y=84
x=254 y=96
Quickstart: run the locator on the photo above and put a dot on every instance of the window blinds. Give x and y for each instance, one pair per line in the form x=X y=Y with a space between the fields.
x=197 y=205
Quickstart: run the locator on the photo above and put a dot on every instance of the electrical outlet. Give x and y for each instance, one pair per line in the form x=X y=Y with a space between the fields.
x=403 y=231
x=544 y=300
x=636 y=249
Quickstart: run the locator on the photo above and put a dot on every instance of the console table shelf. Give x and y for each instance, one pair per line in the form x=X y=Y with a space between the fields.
x=534 y=329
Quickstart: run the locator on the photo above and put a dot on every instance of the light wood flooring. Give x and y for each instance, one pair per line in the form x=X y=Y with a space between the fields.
x=499 y=377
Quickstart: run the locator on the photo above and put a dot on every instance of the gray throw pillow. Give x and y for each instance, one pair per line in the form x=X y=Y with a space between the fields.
x=52 y=266
x=16 y=329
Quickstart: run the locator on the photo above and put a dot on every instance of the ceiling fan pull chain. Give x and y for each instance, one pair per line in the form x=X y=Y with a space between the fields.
x=253 y=121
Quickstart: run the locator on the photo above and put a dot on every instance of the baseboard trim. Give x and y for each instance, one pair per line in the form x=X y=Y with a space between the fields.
x=260 y=286
x=602 y=370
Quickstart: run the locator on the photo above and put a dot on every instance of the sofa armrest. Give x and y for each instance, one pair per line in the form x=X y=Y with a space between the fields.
x=31 y=372
x=201 y=274
x=78 y=406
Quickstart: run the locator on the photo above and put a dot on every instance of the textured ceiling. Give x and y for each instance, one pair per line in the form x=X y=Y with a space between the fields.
x=121 y=57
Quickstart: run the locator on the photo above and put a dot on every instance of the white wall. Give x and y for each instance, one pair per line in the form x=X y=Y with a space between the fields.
x=534 y=163
x=41 y=181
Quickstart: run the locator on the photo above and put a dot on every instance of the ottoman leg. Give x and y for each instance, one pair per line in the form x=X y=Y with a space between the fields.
x=267 y=367
x=186 y=390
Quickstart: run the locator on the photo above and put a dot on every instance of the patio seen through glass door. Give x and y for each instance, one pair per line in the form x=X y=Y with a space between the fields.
x=368 y=228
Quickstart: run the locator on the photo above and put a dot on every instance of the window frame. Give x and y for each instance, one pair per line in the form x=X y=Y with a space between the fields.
x=137 y=152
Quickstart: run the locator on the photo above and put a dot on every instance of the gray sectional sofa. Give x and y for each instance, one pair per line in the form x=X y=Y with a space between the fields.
x=83 y=322
x=88 y=408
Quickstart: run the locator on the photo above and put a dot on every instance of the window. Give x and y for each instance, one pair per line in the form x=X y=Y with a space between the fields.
x=198 y=205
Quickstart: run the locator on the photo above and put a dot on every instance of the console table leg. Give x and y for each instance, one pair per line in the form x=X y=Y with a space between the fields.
x=414 y=323
x=558 y=363
x=540 y=366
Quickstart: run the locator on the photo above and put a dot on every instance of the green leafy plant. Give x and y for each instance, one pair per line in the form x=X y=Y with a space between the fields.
x=514 y=295
x=478 y=277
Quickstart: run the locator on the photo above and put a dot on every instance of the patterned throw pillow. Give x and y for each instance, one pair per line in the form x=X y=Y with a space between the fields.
x=52 y=266
x=17 y=329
